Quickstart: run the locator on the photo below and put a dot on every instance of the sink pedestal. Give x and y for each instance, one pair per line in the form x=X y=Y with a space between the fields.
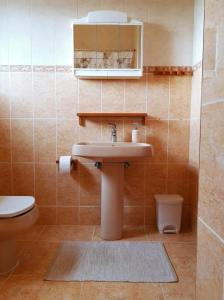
x=112 y=184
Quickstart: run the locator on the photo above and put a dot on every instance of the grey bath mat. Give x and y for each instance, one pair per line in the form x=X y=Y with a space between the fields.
x=112 y=261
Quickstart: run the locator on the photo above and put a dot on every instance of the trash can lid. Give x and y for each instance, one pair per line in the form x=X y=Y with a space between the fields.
x=169 y=199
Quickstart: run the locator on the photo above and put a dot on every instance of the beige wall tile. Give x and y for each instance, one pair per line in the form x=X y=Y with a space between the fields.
x=132 y=9
x=68 y=189
x=178 y=143
x=220 y=47
x=89 y=95
x=211 y=187
x=89 y=215
x=134 y=185
x=150 y=215
x=45 y=184
x=21 y=95
x=67 y=135
x=91 y=131
x=45 y=140
x=23 y=179
x=155 y=181
x=112 y=95
x=157 y=136
x=158 y=97
x=194 y=143
x=180 y=97
x=213 y=13
x=5 y=179
x=133 y=215
x=212 y=87
x=209 y=49
x=5 y=145
x=84 y=6
x=44 y=95
x=66 y=95
x=22 y=140
x=90 y=185
x=67 y=215
x=112 y=4
x=196 y=94
x=136 y=95
x=4 y=95
x=210 y=259
x=178 y=180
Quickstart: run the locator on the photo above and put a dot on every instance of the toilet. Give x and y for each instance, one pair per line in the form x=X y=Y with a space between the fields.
x=17 y=214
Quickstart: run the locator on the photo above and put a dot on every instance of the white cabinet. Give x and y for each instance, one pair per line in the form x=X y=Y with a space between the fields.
x=112 y=49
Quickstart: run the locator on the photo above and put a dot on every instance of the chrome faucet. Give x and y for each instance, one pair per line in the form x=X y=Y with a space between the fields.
x=113 y=132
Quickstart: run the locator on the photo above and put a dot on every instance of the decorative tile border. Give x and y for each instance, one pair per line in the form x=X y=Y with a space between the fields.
x=170 y=71
x=155 y=70
x=64 y=69
x=20 y=68
x=4 y=68
x=47 y=69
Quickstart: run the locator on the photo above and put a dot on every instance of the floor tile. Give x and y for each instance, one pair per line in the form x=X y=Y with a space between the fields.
x=185 y=236
x=38 y=247
x=21 y=288
x=31 y=235
x=130 y=233
x=56 y=233
x=51 y=290
x=121 y=291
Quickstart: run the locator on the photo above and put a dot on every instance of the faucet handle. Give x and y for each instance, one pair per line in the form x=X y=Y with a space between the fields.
x=113 y=125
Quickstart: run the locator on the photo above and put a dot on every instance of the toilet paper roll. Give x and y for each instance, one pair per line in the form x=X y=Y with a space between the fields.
x=65 y=164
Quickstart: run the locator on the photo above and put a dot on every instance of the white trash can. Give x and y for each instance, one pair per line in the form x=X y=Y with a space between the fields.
x=169 y=211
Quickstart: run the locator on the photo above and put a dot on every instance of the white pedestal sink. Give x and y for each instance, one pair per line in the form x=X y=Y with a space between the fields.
x=112 y=158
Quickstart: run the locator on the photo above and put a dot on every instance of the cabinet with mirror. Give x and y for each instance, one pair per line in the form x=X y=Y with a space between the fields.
x=107 y=50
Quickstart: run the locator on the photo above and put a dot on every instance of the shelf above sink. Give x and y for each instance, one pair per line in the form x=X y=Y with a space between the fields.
x=88 y=115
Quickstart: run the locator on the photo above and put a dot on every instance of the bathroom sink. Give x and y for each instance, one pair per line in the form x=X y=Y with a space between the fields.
x=113 y=158
x=118 y=151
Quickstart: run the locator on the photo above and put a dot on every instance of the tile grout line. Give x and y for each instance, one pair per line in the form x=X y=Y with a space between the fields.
x=33 y=107
x=168 y=138
x=211 y=230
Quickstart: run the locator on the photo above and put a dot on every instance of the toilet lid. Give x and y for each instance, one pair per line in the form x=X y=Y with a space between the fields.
x=12 y=206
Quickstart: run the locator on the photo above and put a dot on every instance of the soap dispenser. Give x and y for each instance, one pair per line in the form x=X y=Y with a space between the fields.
x=135 y=133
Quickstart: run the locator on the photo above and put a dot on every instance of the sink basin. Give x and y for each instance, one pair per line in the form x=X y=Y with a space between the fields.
x=112 y=157
x=118 y=151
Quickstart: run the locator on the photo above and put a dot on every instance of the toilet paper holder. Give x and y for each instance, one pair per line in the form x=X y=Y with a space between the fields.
x=73 y=162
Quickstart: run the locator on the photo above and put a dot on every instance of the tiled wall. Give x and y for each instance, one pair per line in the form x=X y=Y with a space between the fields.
x=210 y=267
x=194 y=144
x=39 y=32
x=38 y=123
x=38 y=109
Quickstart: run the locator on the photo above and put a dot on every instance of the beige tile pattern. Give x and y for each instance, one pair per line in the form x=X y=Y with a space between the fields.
x=209 y=284
x=210 y=260
x=34 y=141
x=39 y=246
x=39 y=102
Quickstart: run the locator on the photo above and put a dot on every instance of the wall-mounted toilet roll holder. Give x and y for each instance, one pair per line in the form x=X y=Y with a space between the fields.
x=73 y=162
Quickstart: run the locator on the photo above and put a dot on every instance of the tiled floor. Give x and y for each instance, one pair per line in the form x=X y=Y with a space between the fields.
x=38 y=247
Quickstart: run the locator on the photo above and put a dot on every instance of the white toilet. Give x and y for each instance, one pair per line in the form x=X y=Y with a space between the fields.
x=17 y=214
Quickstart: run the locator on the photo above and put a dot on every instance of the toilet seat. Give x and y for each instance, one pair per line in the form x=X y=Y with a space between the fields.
x=12 y=206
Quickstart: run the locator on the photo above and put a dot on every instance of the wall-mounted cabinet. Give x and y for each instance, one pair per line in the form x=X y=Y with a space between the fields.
x=108 y=49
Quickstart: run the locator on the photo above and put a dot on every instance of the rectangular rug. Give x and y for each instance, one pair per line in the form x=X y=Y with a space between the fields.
x=112 y=261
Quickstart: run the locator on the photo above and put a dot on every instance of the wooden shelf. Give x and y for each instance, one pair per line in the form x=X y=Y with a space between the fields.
x=86 y=115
